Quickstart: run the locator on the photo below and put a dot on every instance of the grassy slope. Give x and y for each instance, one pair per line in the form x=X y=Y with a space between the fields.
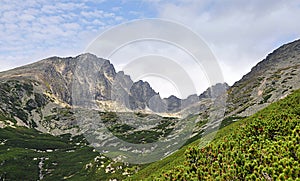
x=177 y=157
x=266 y=130
x=63 y=157
x=18 y=148
x=22 y=149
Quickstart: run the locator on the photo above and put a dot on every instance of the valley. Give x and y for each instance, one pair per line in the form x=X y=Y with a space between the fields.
x=59 y=121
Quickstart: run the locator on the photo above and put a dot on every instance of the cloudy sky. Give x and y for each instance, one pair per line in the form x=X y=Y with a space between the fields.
x=239 y=33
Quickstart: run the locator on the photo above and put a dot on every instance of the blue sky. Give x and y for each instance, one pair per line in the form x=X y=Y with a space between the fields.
x=34 y=29
x=240 y=33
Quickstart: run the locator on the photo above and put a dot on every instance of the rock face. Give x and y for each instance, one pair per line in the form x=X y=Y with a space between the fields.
x=41 y=94
x=94 y=78
x=56 y=75
x=141 y=92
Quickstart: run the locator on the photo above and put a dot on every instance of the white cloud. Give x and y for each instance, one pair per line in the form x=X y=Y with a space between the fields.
x=71 y=26
x=93 y=14
x=240 y=33
x=119 y=18
x=37 y=29
x=117 y=8
x=27 y=17
x=108 y=15
x=49 y=9
x=70 y=6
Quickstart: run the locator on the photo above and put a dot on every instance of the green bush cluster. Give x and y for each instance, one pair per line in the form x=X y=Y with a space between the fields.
x=266 y=146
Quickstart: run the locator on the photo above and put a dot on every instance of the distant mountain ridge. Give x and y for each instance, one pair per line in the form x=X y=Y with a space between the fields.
x=46 y=128
x=56 y=75
x=41 y=94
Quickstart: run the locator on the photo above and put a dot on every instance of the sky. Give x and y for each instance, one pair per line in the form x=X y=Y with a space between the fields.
x=239 y=33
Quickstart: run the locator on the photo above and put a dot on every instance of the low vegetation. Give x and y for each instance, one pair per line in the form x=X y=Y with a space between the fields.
x=264 y=146
x=26 y=154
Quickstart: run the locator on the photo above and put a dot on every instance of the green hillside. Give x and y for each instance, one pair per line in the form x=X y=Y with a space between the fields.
x=22 y=150
x=265 y=146
x=26 y=154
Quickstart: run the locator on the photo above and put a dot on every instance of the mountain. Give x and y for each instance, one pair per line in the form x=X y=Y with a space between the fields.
x=261 y=146
x=45 y=100
x=40 y=126
x=56 y=76
x=264 y=146
x=31 y=94
x=272 y=79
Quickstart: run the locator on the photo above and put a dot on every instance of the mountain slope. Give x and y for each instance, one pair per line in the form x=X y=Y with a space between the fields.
x=26 y=154
x=264 y=146
x=41 y=97
x=270 y=80
x=57 y=75
x=41 y=94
